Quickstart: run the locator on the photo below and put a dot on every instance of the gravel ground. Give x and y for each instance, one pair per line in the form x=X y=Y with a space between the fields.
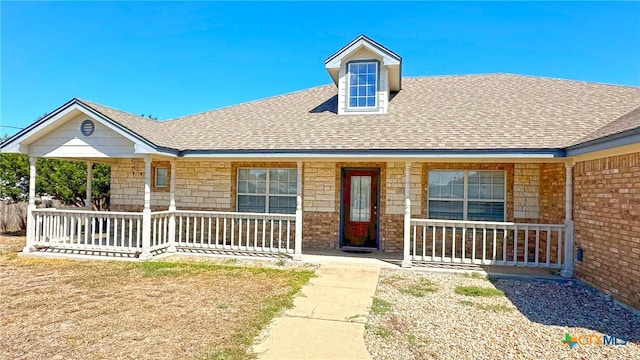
x=419 y=316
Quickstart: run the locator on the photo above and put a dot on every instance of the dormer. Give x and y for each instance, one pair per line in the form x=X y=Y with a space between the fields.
x=365 y=72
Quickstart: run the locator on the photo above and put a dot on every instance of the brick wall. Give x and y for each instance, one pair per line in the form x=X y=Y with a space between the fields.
x=552 y=193
x=526 y=191
x=607 y=225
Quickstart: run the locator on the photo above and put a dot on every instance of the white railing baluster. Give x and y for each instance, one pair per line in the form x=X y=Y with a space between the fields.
x=218 y=232
x=515 y=245
x=453 y=245
x=424 y=242
x=414 y=240
x=548 y=254
x=495 y=241
x=233 y=230
x=288 y=234
x=279 y=235
x=255 y=234
x=464 y=244
x=195 y=228
x=224 y=235
x=271 y=236
x=505 y=233
x=209 y=232
x=202 y=231
x=444 y=234
x=484 y=244
x=264 y=233
x=537 y=245
x=433 y=243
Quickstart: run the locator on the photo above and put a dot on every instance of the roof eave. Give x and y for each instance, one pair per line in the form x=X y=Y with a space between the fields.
x=628 y=137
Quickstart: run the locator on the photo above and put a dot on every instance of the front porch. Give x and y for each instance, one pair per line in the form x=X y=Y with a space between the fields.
x=147 y=234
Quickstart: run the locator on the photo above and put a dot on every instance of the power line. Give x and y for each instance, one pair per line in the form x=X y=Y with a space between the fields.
x=13 y=127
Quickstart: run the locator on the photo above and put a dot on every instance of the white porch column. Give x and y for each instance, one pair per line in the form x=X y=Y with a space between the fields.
x=567 y=271
x=88 y=203
x=172 y=209
x=406 y=259
x=31 y=221
x=297 y=253
x=146 y=212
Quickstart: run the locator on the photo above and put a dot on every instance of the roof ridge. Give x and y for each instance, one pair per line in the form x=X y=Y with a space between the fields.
x=525 y=76
x=123 y=122
x=246 y=103
x=89 y=103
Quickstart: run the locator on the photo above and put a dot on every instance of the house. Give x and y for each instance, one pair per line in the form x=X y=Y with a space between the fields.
x=487 y=169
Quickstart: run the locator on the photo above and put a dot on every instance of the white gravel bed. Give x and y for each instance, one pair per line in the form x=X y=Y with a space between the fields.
x=528 y=322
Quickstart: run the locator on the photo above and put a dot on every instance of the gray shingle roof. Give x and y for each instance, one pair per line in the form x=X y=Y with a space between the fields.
x=153 y=131
x=493 y=111
x=624 y=123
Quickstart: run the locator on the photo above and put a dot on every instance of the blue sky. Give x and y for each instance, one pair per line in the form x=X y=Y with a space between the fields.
x=173 y=59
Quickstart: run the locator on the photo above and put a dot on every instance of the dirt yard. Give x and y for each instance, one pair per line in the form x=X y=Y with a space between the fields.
x=63 y=309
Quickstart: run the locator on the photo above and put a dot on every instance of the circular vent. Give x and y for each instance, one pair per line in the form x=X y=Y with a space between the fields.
x=87 y=127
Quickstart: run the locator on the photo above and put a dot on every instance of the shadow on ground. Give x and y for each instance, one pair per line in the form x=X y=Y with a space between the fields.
x=572 y=305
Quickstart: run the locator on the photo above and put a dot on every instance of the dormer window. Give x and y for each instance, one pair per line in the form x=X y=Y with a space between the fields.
x=363 y=84
x=365 y=73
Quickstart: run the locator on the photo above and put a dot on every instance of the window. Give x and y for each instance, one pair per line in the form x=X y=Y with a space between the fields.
x=267 y=190
x=161 y=177
x=467 y=195
x=363 y=84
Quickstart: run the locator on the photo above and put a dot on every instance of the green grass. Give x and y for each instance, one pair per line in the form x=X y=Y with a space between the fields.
x=478 y=291
x=380 y=306
x=382 y=332
x=475 y=275
x=421 y=288
x=467 y=303
x=494 y=308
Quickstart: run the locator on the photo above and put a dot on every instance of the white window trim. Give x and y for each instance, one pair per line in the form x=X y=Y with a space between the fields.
x=465 y=200
x=155 y=180
x=348 y=84
x=266 y=194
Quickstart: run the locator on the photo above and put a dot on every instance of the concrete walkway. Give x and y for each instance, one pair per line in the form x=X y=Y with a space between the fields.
x=328 y=317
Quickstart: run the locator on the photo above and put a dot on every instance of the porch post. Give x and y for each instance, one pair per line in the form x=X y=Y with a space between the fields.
x=406 y=259
x=146 y=212
x=31 y=221
x=567 y=271
x=297 y=254
x=89 y=182
x=172 y=209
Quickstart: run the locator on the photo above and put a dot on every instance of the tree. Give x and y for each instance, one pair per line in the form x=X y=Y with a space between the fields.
x=14 y=177
x=66 y=180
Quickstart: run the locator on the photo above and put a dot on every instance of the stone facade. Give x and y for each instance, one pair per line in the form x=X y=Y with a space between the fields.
x=203 y=185
x=535 y=192
x=607 y=225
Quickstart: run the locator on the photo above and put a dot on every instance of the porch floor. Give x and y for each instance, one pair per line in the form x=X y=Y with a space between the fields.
x=394 y=260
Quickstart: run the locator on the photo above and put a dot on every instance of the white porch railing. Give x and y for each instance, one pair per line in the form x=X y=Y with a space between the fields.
x=487 y=243
x=88 y=230
x=121 y=232
x=160 y=236
x=255 y=232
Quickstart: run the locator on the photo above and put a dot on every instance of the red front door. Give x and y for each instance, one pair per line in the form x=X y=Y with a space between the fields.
x=360 y=208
